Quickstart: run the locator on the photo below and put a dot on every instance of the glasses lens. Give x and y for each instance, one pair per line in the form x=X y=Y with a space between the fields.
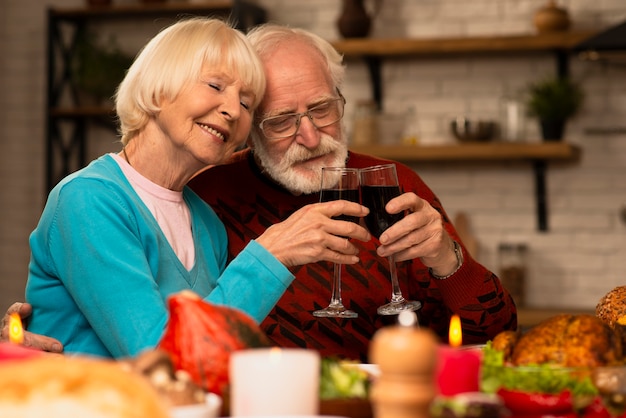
x=327 y=113
x=279 y=126
x=284 y=126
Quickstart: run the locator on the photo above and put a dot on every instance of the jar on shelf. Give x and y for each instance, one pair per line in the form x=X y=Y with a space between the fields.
x=411 y=133
x=513 y=119
x=365 y=128
x=512 y=262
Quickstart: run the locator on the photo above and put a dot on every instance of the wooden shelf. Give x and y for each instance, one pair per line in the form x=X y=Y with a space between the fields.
x=373 y=51
x=80 y=112
x=479 y=151
x=362 y=47
x=142 y=9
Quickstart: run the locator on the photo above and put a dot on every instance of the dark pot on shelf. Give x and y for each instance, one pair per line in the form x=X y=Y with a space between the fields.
x=552 y=130
x=99 y=2
x=354 y=22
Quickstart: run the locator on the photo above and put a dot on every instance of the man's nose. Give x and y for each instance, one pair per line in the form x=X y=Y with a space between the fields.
x=308 y=135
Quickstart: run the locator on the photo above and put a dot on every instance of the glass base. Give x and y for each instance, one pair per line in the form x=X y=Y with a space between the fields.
x=335 y=312
x=394 y=308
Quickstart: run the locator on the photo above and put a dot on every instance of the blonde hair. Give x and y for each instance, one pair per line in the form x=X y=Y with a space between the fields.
x=176 y=56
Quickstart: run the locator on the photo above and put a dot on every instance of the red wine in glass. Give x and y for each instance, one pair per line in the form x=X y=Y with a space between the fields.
x=375 y=198
x=338 y=183
x=379 y=184
x=336 y=194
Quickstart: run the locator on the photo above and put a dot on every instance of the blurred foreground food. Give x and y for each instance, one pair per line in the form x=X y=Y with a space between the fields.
x=343 y=379
x=200 y=337
x=63 y=386
x=563 y=340
x=567 y=365
x=175 y=387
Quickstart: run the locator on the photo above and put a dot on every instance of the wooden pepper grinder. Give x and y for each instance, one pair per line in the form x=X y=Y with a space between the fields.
x=407 y=357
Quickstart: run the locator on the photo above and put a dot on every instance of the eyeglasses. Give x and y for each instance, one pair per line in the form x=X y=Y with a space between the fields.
x=321 y=116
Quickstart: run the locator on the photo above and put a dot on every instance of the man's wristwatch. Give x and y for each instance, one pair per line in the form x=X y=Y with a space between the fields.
x=459 y=262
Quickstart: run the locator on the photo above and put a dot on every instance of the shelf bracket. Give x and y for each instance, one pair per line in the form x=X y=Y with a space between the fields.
x=562 y=63
x=539 y=167
x=373 y=66
x=65 y=140
x=65 y=148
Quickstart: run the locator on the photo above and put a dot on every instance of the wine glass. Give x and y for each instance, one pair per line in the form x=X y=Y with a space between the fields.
x=379 y=184
x=338 y=183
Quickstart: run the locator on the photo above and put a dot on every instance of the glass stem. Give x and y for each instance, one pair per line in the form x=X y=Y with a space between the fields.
x=335 y=299
x=396 y=293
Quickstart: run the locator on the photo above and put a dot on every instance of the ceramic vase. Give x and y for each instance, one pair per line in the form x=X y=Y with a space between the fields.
x=551 y=18
x=91 y=3
x=354 y=21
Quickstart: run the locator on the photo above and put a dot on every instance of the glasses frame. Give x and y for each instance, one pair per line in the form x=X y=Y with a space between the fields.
x=307 y=113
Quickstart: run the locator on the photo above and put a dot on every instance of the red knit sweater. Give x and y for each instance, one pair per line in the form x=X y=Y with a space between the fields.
x=248 y=202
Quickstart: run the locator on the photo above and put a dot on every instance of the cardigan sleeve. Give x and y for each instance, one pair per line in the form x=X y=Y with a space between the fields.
x=102 y=271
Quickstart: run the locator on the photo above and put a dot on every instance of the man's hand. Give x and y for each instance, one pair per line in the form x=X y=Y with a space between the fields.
x=420 y=234
x=40 y=342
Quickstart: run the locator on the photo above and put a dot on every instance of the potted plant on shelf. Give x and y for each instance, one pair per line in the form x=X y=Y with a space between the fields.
x=553 y=101
x=98 y=68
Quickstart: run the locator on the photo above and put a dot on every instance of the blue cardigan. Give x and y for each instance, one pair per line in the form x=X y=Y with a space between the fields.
x=101 y=269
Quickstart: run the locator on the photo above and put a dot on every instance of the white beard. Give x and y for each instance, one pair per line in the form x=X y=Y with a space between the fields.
x=296 y=178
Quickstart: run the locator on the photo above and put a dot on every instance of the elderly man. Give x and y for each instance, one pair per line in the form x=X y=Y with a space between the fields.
x=292 y=139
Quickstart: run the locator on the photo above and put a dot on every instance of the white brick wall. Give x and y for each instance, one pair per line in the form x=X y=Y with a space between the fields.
x=582 y=256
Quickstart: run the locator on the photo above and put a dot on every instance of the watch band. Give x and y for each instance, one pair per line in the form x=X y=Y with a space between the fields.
x=459 y=260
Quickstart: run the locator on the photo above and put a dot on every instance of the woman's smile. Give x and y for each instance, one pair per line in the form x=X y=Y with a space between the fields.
x=223 y=135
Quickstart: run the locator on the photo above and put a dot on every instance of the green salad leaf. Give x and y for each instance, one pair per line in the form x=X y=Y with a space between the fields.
x=341 y=379
x=540 y=378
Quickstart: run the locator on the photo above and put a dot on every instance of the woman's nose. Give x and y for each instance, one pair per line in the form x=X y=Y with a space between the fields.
x=231 y=106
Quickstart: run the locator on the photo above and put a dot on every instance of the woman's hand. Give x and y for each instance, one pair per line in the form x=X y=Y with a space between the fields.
x=39 y=342
x=310 y=234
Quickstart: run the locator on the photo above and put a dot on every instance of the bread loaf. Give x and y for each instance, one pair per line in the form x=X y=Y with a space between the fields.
x=63 y=386
x=612 y=307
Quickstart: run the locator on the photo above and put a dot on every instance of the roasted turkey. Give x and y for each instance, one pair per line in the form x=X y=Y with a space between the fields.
x=563 y=340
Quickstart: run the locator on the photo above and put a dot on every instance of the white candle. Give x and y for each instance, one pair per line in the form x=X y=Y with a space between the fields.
x=274 y=381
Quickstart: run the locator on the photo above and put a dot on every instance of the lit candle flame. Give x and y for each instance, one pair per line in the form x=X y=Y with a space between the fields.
x=455 y=336
x=275 y=355
x=16 y=331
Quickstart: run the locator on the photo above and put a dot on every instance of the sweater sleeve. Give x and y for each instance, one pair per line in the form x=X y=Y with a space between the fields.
x=473 y=292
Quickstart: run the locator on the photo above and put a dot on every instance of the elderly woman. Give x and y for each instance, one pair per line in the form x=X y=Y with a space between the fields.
x=119 y=236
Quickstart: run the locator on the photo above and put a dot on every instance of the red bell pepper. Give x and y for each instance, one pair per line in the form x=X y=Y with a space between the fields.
x=536 y=405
